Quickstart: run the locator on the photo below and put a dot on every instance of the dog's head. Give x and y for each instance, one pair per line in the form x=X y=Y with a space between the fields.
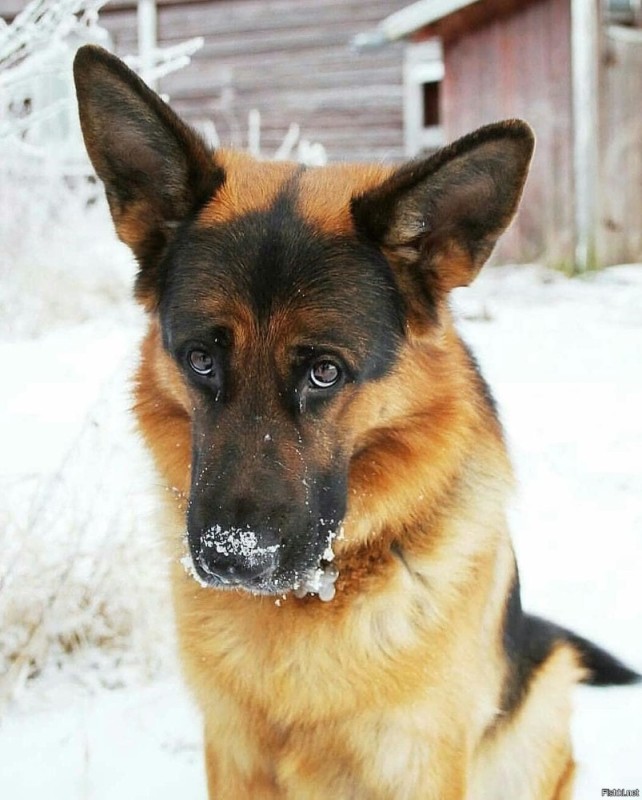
x=281 y=299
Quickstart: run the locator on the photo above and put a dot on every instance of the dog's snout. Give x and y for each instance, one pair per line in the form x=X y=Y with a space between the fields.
x=255 y=512
x=231 y=555
x=231 y=570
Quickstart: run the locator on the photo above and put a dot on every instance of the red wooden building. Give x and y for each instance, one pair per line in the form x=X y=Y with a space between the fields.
x=573 y=69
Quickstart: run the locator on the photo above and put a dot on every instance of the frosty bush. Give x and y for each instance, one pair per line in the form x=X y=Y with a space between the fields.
x=83 y=561
x=61 y=262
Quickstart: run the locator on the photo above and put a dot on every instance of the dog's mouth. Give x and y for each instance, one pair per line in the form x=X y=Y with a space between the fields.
x=241 y=559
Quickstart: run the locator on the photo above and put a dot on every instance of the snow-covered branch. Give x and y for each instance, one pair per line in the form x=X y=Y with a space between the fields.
x=37 y=101
x=43 y=24
x=166 y=59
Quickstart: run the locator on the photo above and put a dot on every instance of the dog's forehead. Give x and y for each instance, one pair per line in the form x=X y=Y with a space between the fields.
x=275 y=246
x=322 y=194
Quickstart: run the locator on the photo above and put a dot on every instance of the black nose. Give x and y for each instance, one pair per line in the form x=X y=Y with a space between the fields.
x=234 y=556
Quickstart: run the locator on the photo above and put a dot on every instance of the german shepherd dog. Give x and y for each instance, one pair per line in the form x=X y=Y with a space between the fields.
x=350 y=622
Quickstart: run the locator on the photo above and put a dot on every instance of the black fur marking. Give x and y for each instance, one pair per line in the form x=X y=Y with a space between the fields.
x=482 y=385
x=152 y=274
x=529 y=640
x=514 y=641
x=604 y=669
x=274 y=262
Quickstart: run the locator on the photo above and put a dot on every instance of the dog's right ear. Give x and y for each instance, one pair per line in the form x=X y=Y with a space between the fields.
x=155 y=168
x=437 y=219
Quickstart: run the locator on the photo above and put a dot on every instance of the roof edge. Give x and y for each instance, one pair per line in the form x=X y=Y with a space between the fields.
x=407 y=20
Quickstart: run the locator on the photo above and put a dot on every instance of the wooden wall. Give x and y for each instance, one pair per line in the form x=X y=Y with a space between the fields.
x=291 y=60
x=620 y=180
x=518 y=65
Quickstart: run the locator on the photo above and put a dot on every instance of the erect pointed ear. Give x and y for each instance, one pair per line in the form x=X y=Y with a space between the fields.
x=438 y=219
x=155 y=168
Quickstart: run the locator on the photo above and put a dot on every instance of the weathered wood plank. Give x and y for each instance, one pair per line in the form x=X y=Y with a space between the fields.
x=620 y=219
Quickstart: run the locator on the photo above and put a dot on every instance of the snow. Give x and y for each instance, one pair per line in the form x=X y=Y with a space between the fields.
x=107 y=715
x=319 y=581
x=131 y=744
x=237 y=542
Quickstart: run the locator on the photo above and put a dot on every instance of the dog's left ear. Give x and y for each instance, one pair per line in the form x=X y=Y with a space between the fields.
x=438 y=219
x=155 y=168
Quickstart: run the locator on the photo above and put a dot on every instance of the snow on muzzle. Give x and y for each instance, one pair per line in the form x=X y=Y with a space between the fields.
x=234 y=556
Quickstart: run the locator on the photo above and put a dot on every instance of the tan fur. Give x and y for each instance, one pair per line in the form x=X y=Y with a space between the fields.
x=530 y=756
x=246 y=188
x=325 y=195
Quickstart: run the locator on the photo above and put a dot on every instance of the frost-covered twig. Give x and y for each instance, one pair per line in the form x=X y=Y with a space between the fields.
x=78 y=568
x=16 y=127
x=42 y=23
x=36 y=91
x=167 y=59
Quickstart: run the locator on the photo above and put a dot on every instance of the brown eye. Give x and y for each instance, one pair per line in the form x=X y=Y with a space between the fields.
x=324 y=374
x=201 y=362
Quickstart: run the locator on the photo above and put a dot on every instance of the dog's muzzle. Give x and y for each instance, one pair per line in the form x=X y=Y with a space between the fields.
x=235 y=556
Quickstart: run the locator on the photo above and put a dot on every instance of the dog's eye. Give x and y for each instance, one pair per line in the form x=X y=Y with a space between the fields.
x=200 y=362
x=324 y=374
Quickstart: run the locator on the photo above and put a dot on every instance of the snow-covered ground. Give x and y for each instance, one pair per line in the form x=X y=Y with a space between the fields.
x=107 y=717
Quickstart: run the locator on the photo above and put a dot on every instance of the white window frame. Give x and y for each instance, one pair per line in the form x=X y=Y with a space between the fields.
x=423 y=63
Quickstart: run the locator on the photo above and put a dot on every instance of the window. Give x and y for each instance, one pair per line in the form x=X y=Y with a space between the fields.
x=423 y=76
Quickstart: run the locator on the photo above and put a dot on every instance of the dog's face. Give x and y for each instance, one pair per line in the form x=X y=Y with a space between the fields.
x=283 y=298
x=275 y=327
